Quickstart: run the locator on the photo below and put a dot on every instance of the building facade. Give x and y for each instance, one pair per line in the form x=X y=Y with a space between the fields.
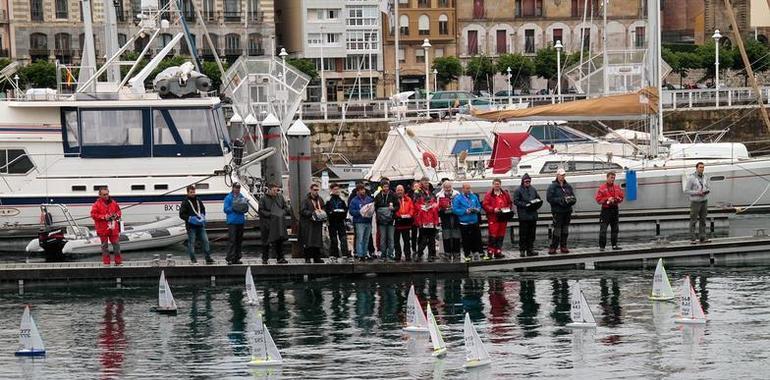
x=344 y=35
x=53 y=29
x=418 y=20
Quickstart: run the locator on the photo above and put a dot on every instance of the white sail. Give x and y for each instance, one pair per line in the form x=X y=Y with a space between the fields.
x=435 y=334
x=30 y=341
x=415 y=317
x=661 y=288
x=251 y=290
x=475 y=352
x=165 y=298
x=263 y=349
x=690 y=309
x=580 y=312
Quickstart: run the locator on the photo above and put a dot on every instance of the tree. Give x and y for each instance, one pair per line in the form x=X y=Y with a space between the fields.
x=681 y=62
x=706 y=55
x=448 y=68
x=132 y=56
x=481 y=69
x=522 y=68
x=40 y=74
x=757 y=53
x=211 y=70
x=304 y=65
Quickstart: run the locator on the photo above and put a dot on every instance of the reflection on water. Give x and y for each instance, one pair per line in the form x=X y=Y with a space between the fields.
x=352 y=328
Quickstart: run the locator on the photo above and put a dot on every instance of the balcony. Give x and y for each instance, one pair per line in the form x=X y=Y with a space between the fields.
x=209 y=15
x=189 y=16
x=62 y=15
x=254 y=52
x=63 y=52
x=256 y=16
x=232 y=16
x=233 y=52
x=3 y=16
x=39 y=52
x=4 y=53
x=36 y=15
x=206 y=52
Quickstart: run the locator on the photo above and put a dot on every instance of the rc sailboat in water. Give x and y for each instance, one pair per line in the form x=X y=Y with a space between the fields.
x=166 y=302
x=30 y=341
x=263 y=350
x=661 y=288
x=251 y=290
x=581 y=314
x=689 y=305
x=415 y=318
x=476 y=354
x=439 y=347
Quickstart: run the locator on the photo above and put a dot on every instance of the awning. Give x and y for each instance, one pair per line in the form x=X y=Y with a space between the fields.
x=635 y=106
x=510 y=146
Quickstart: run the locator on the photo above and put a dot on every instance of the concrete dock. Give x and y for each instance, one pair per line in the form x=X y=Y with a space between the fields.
x=725 y=252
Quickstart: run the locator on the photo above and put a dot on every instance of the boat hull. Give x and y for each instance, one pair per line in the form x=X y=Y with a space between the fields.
x=690 y=321
x=476 y=363
x=415 y=329
x=264 y=363
x=654 y=298
x=581 y=325
x=440 y=353
x=30 y=353
x=164 y=311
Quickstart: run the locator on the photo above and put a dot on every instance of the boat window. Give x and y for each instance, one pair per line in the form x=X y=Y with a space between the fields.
x=202 y=186
x=553 y=134
x=78 y=187
x=111 y=127
x=161 y=186
x=185 y=132
x=71 y=125
x=579 y=166
x=15 y=161
x=717 y=178
x=97 y=187
x=550 y=167
x=137 y=187
x=474 y=147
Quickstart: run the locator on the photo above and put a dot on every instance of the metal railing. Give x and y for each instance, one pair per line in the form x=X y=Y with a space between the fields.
x=711 y=98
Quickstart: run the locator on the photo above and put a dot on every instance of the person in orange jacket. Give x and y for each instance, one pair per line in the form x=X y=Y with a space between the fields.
x=609 y=195
x=106 y=215
x=499 y=208
x=428 y=221
x=404 y=223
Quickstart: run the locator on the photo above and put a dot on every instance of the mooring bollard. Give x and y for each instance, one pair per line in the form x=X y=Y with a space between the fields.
x=213 y=280
x=21 y=287
x=657 y=227
x=118 y=282
x=156 y=260
x=169 y=260
x=712 y=225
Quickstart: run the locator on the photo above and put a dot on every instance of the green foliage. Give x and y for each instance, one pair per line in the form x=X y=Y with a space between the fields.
x=522 y=68
x=40 y=74
x=481 y=69
x=211 y=70
x=758 y=55
x=449 y=69
x=706 y=54
x=304 y=65
x=131 y=56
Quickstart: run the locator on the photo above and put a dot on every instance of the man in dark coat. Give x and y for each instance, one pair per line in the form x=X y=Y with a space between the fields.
x=337 y=210
x=311 y=222
x=193 y=212
x=561 y=197
x=527 y=203
x=273 y=210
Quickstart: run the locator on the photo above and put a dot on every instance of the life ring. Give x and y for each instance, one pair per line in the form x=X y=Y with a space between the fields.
x=429 y=159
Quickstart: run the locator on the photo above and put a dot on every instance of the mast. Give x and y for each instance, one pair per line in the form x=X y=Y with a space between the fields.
x=605 y=56
x=111 y=40
x=88 y=59
x=747 y=63
x=396 y=33
x=656 y=122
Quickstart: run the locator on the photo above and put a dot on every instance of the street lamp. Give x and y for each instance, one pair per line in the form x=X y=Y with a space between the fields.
x=717 y=36
x=435 y=80
x=426 y=45
x=558 y=47
x=510 y=86
x=16 y=88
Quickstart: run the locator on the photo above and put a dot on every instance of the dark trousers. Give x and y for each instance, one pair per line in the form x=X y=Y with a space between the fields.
x=451 y=245
x=235 y=239
x=405 y=236
x=427 y=239
x=560 y=229
x=527 y=233
x=312 y=253
x=277 y=247
x=471 y=237
x=698 y=214
x=338 y=240
x=608 y=217
x=415 y=238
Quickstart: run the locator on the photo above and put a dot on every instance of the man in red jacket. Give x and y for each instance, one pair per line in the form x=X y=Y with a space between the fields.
x=106 y=215
x=499 y=207
x=609 y=196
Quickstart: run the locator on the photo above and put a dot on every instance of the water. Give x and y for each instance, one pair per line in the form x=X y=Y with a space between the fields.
x=351 y=328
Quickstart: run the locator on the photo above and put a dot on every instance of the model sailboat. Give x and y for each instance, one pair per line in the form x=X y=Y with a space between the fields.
x=689 y=305
x=661 y=288
x=415 y=318
x=263 y=349
x=251 y=290
x=581 y=314
x=30 y=341
x=476 y=354
x=166 y=302
x=439 y=347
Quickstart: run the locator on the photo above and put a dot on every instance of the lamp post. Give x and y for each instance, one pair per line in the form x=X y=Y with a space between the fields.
x=426 y=45
x=435 y=80
x=283 y=54
x=16 y=88
x=558 y=47
x=510 y=86
x=716 y=38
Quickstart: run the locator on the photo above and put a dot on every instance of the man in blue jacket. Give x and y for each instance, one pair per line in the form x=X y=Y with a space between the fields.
x=467 y=207
x=235 y=206
x=362 y=224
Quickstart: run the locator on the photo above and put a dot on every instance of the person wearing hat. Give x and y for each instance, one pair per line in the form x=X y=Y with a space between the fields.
x=273 y=209
x=561 y=197
x=235 y=206
x=311 y=222
x=527 y=202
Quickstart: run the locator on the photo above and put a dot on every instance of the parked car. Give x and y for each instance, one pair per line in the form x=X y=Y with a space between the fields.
x=453 y=100
x=506 y=93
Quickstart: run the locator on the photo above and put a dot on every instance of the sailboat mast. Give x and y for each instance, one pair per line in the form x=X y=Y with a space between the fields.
x=605 y=56
x=656 y=122
x=747 y=63
x=396 y=33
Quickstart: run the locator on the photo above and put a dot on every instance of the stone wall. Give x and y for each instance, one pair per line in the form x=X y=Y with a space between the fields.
x=360 y=141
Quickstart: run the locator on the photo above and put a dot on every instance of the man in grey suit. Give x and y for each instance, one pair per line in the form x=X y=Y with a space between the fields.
x=698 y=189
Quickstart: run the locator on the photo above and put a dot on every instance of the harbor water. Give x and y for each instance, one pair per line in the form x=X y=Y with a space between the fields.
x=351 y=328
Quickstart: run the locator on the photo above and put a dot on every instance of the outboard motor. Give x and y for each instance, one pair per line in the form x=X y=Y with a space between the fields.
x=52 y=241
x=238 y=152
x=180 y=81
